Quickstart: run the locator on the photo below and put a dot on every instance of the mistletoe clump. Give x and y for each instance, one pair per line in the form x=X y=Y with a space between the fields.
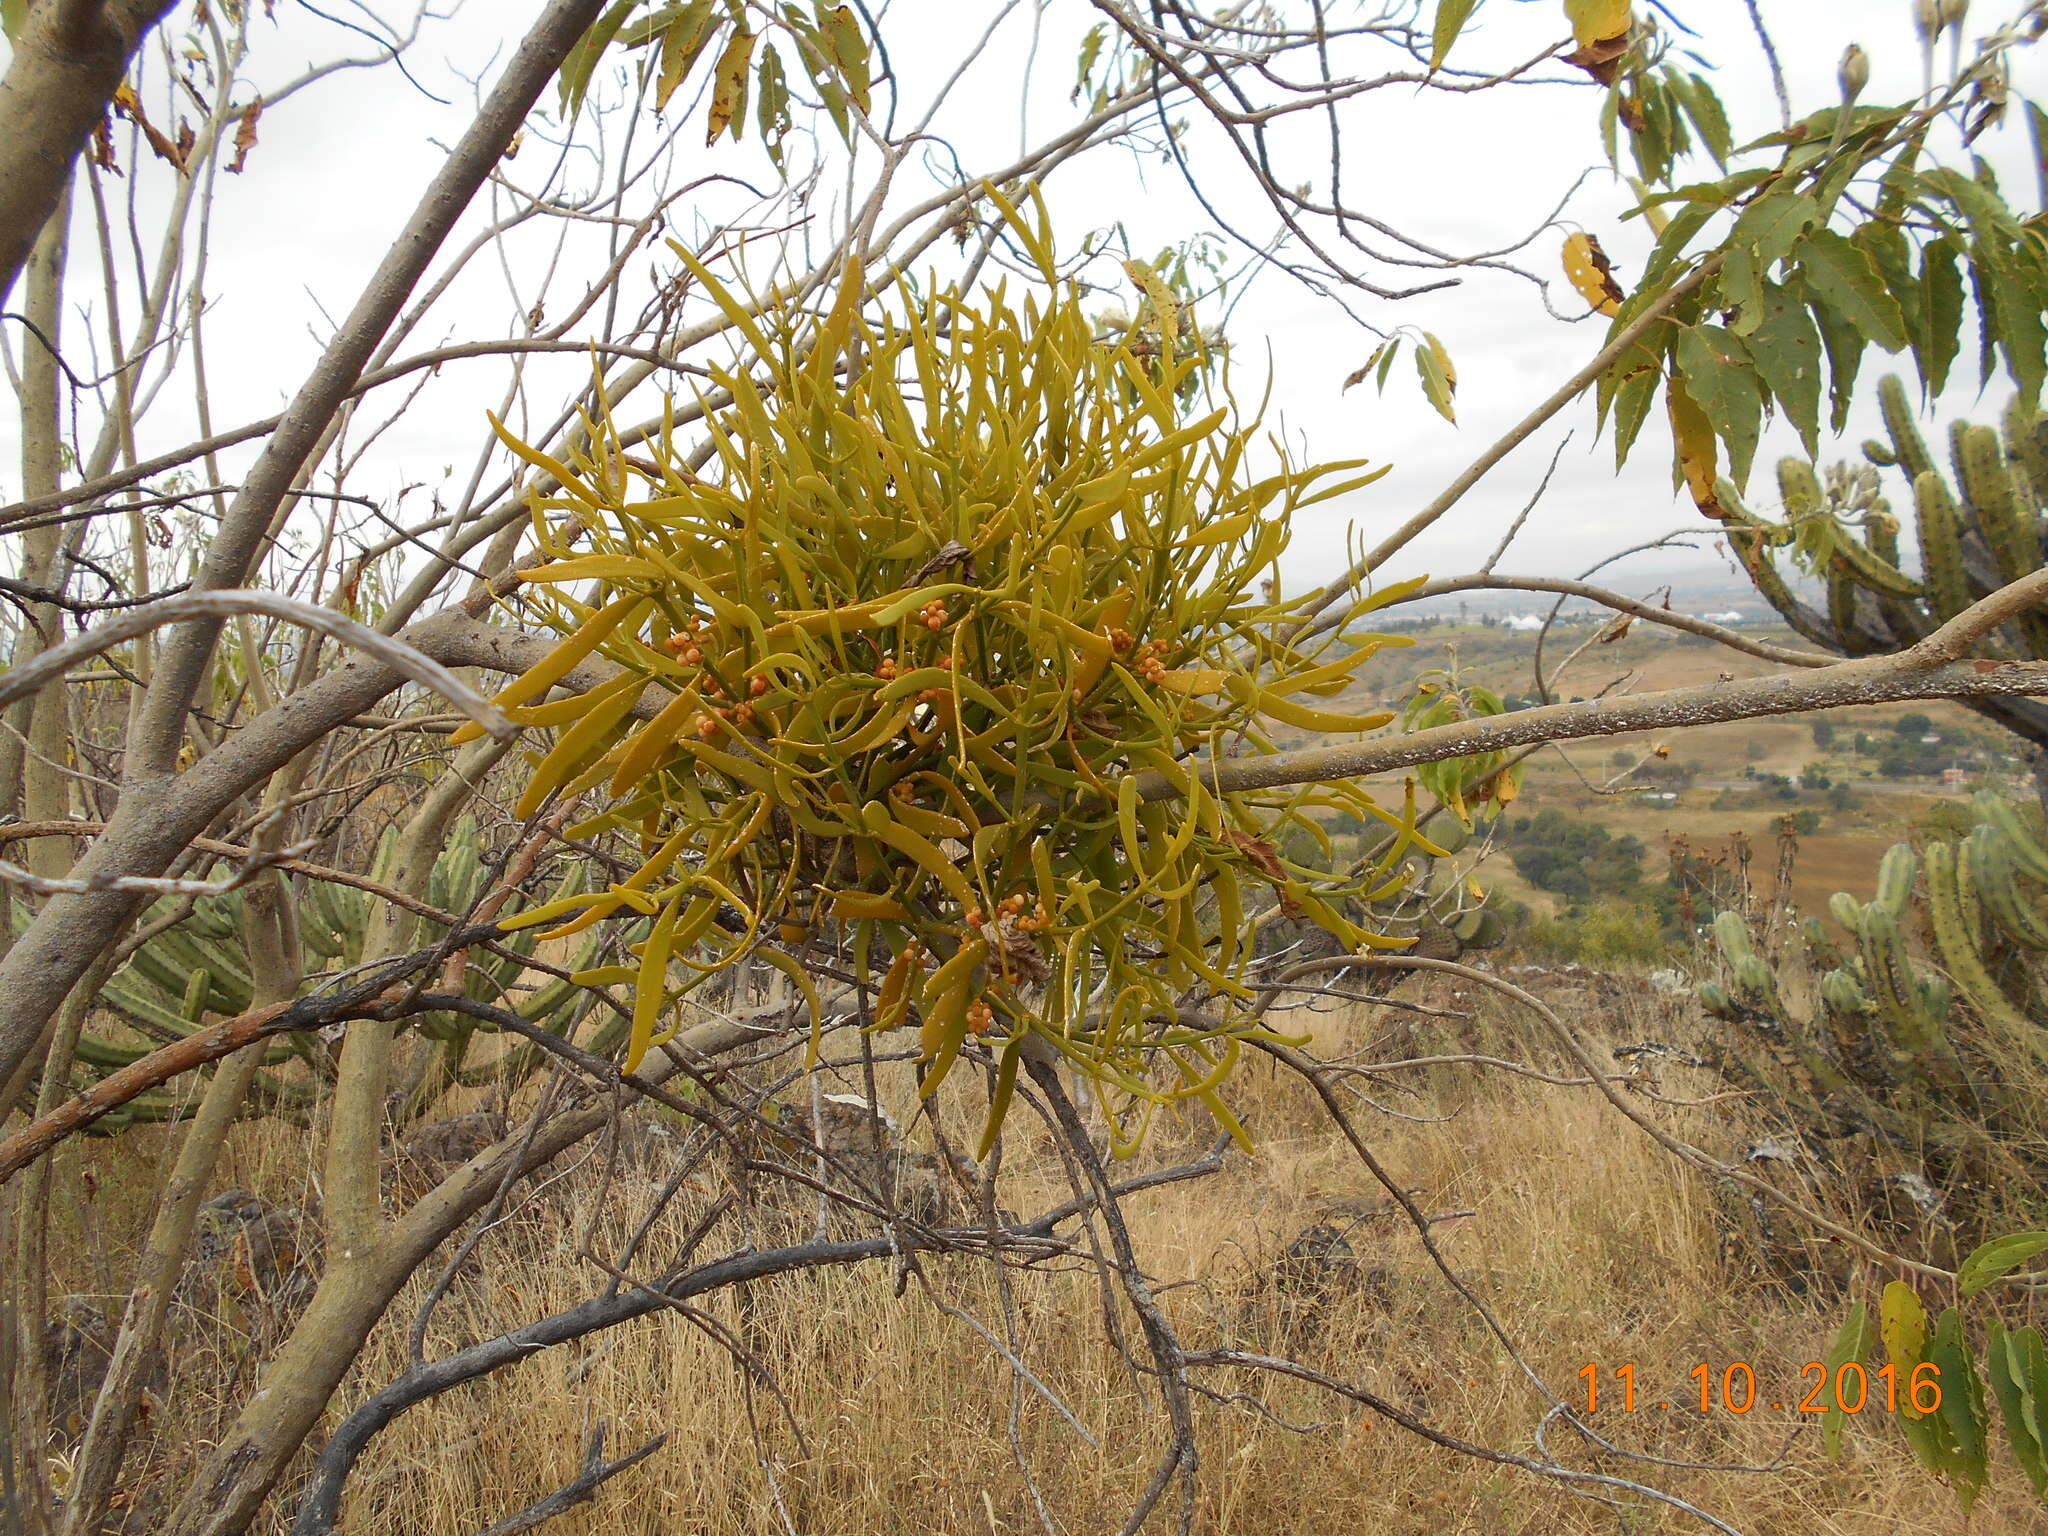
x=934 y=652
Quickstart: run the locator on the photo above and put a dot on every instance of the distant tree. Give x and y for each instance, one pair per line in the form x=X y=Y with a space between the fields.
x=1572 y=883
x=1668 y=772
x=1947 y=820
x=1536 y=865
x=1911 y=759
x=1823 y=734
x=1912 y=723
x=1814 y=776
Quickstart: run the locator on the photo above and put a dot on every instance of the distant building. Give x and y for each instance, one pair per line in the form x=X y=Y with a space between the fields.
x=1955 y=775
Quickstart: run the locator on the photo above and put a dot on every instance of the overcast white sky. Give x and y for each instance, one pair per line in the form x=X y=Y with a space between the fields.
x=338 y=169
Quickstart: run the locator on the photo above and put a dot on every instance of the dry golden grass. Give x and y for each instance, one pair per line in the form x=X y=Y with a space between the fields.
x=1589 y=1245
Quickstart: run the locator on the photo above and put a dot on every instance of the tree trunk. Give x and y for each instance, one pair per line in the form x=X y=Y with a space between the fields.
x=144 y=834
x=68 y=59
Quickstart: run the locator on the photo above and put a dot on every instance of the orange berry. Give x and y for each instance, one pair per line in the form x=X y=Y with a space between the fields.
x=692 y=656
x=758 y=687
x=945 y=663
x=706 y=727
x=975 y=917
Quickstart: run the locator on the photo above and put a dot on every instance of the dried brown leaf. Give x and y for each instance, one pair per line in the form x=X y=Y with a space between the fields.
x=1601 y=59
x=102 y=150
x=245 y=136
x=129 y=105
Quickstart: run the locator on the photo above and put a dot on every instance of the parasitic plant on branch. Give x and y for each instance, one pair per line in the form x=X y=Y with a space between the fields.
x=956 y=572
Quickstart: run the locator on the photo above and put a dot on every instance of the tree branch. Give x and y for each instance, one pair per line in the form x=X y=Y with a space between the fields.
x=596 y=1472
x=184 y=607
x=67 y=61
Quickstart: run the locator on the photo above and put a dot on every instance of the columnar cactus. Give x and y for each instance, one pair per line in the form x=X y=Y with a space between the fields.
x=1931 y=1031
x=199 y=968
x=1982 y=533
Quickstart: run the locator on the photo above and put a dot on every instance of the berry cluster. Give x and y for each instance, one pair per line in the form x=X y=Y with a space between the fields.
x=934 y=615
x=1010 y=907
x=888 y=669
x=685 y=644
x=688 y=647
x=980 y=1017
x=1149 y=660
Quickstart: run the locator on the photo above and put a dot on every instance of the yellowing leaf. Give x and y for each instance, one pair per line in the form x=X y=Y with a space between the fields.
x=1439 y=376
x=1902 y=1324
x=1587 y=267
x=1598 y=21
x=1698 y=453
x=849 y=51
x=729 y=87
x=681 y=44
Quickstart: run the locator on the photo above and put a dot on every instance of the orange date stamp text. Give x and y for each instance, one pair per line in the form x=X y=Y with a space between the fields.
x=1849 y=1388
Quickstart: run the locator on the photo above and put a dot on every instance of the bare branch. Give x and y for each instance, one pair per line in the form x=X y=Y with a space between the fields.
x=184 y=607
x=596 y=1472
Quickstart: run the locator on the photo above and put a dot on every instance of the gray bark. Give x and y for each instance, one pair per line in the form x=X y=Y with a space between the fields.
x=69 y=58
x=159 y=811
